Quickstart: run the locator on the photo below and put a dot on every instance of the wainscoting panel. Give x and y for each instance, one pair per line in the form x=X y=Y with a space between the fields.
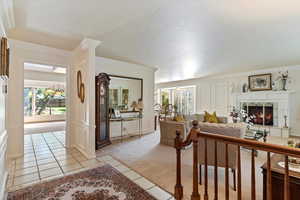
x=214 y=96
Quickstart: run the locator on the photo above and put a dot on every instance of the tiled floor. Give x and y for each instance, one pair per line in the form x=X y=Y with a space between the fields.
x=46 y=158
x=44 y=127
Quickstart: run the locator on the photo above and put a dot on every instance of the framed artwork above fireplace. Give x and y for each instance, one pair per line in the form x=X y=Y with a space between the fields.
x=260 y=82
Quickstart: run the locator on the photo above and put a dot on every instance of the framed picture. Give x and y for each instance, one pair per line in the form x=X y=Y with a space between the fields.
x=260 y=82
x=4 y=58
x=117 y=114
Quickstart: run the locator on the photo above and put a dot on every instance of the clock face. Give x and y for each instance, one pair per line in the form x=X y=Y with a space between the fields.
x=102 y=90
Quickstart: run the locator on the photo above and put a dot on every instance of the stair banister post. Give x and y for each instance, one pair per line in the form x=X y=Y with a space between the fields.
x=195 y=137
x=178 y=187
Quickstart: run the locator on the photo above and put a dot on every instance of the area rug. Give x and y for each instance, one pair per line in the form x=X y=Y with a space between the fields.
x=102 y=183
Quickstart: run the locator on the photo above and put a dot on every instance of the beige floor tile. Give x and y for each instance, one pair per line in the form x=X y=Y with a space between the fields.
x=46 y=161
x=144 y=183
x=25 y=165
x=67 y=162
x=64 y=157
x=20 y=180
x=43 y=153
x=132 y=175
x=59 y=151
x=28 y=147
x=90 y=163
x=26 y=151
x=17 y=187
x=50 y=178
x=44 y=156
x=80 y=158
x=25 y=171
x=159 y=193
x=69 y=168
x=50 y=172
x=25 y=159
x=122 y=168
x=57 y=147
x=28 y=155
x=105 y=158
x=113 y=163
x=48 y=166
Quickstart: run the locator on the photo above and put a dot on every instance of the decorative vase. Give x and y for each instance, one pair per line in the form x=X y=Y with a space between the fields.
x=234 y=120
x=284 y=84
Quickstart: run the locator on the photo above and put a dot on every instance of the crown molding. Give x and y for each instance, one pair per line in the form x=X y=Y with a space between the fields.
x=146 y=67
x=21 y=45
x=89 y=43
x=235 y=74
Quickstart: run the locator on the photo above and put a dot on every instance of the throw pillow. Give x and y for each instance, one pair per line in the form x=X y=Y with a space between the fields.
x=179 y=118
x=211 y=118
x=206 y=116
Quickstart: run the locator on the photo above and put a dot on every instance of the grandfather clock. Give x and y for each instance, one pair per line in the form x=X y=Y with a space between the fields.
x=102 y=110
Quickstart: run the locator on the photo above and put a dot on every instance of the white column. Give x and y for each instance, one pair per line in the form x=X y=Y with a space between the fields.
x=82 y=125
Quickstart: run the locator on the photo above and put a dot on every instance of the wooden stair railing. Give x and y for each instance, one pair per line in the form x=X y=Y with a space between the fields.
x=193 y=138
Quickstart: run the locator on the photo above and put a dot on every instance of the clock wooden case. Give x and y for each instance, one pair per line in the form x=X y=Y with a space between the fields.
x=102 y=111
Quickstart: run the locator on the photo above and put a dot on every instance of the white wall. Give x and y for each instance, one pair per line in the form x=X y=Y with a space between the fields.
x=220 y=93
x=44 y=76
x=3 y=131
x=115 y=67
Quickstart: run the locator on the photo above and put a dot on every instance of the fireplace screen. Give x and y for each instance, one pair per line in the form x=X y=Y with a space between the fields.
x=263 y=113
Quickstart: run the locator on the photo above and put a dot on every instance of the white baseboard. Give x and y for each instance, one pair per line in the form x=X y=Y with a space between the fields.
x=83 y=152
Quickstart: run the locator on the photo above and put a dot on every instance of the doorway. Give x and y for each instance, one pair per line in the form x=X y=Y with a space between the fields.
x=45 y=105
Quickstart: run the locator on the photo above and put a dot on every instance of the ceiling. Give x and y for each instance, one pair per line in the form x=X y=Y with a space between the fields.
x=183 y=39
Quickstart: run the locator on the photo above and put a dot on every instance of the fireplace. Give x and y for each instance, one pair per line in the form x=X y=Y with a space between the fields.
x=276 y=107
x=263 y=113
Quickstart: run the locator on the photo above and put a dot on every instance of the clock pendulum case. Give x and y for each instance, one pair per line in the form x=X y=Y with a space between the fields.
x=102 y=111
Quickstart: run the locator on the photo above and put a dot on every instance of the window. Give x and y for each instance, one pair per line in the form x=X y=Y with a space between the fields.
x=44 y=101
x=182 y=99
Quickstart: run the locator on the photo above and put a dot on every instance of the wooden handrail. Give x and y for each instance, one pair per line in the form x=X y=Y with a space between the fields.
x=196 y=134
x=274 y=148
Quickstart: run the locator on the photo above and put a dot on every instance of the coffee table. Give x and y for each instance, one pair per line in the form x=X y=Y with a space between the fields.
x=254 y=134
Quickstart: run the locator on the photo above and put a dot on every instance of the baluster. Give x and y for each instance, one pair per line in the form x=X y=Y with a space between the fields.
x=178 y=187
x=239 y=187
x=226 y=173
x=195 y=194
x=253 y=185
x=286 y=179
x=216 y=170
x=205 y=171
x=269 y=177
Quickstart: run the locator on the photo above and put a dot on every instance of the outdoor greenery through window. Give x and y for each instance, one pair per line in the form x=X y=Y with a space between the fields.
x=44 y=101
x=182 y=99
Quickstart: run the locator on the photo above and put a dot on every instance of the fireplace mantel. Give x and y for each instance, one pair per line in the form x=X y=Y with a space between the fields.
x=265 y=96
x=281 y=98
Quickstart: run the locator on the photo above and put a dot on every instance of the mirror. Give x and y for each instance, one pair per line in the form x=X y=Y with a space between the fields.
x=125 y=93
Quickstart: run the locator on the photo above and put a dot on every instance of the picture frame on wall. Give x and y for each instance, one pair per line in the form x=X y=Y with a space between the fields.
x=4 y=59
x=260 y=82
